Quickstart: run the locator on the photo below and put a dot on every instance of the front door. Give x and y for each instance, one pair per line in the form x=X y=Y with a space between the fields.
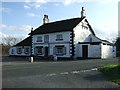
x=46 y=51
x=85 y=51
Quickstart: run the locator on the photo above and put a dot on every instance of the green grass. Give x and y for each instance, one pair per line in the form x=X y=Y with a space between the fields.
x=112 y=72
x=111 y=58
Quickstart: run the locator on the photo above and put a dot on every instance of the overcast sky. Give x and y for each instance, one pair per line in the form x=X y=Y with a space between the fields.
x=18 y=17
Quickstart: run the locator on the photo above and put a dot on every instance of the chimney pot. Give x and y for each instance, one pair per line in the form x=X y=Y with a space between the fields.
x=45 y=19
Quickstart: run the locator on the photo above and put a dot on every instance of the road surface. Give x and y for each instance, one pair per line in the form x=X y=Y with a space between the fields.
x=60 y=74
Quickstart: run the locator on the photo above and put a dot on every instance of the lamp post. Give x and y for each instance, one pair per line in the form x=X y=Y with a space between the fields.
x=31 y=56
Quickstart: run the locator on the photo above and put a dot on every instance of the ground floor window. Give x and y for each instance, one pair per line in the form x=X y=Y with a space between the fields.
x=60 y=50
x=12 y=51
x=19 y=50
x=27 y=50
x=39 y=50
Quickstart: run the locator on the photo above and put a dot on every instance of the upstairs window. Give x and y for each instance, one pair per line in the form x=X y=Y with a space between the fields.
x=39 y=39
x=19 y=50
x=59 y=37
x=46 y=38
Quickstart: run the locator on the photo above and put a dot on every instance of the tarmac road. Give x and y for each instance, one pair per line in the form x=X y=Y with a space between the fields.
x=61 y=74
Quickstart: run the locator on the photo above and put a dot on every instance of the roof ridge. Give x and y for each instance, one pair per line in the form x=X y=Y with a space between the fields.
x=62 y=20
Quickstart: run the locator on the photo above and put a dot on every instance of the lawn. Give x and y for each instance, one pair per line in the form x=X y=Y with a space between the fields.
x=112 y=72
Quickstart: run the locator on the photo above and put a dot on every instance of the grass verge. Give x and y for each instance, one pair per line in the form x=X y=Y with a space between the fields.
x=112 y=72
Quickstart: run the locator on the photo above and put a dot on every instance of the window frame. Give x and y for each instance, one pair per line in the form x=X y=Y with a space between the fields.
x=59 y=37
x=25 y=51
x=39 y=39
x=46 y=38
x=38 y=48
x=60 y=53
x=19 y=51
x=12 y=51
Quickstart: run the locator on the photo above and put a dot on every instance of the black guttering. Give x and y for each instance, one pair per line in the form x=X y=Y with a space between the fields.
x=72 y=46
x=90 y=27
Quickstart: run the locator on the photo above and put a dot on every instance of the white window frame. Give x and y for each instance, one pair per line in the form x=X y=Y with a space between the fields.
x=12 y=51
x=59 y=37
x=25 y=51
x=46 y=38
x=60 y=53
x=39 y=39
x=19 y=51
x=38 y=51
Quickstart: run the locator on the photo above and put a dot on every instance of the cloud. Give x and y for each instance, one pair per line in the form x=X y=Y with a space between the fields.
x=2 y=35
x=66 y=2
x=27 y=7
x=38 y=3
x=37 y=6
x=106 y=31
x=14 y=31
x=32 y=14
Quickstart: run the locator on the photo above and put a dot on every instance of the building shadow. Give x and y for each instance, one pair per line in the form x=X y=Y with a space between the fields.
x=95 y=77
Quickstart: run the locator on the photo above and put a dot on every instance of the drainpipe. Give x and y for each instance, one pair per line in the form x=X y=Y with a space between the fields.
x=31 y=56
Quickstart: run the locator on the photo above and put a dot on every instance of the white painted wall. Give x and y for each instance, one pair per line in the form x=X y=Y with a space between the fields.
x=15 y=51
x=107 y=51
x=52 y=37
x=94 y=51
x=94 y=39
x=53 y=42
x=81 y=34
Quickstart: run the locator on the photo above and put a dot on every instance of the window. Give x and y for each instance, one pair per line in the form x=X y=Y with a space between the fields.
x=60 y=50
x=12 y=51
x=46 y=38
x=27 y=50
x=39 y=50
x=19 y=50
x=39 y=39
x=59 y=37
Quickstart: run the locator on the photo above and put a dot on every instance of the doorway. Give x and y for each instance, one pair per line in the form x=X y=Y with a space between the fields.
x=46 y=51
x=85 y=51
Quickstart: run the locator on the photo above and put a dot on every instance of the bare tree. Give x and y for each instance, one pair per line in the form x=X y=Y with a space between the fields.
x=7 y=43
x=10 y=41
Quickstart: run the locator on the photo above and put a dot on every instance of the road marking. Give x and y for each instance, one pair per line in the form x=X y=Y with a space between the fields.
x=64 y=73
x=52 y=74
x=94 y=69
x=75 y=72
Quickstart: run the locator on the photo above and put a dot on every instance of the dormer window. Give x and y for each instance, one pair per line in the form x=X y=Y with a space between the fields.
x=39 y=39
x=59 y=37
